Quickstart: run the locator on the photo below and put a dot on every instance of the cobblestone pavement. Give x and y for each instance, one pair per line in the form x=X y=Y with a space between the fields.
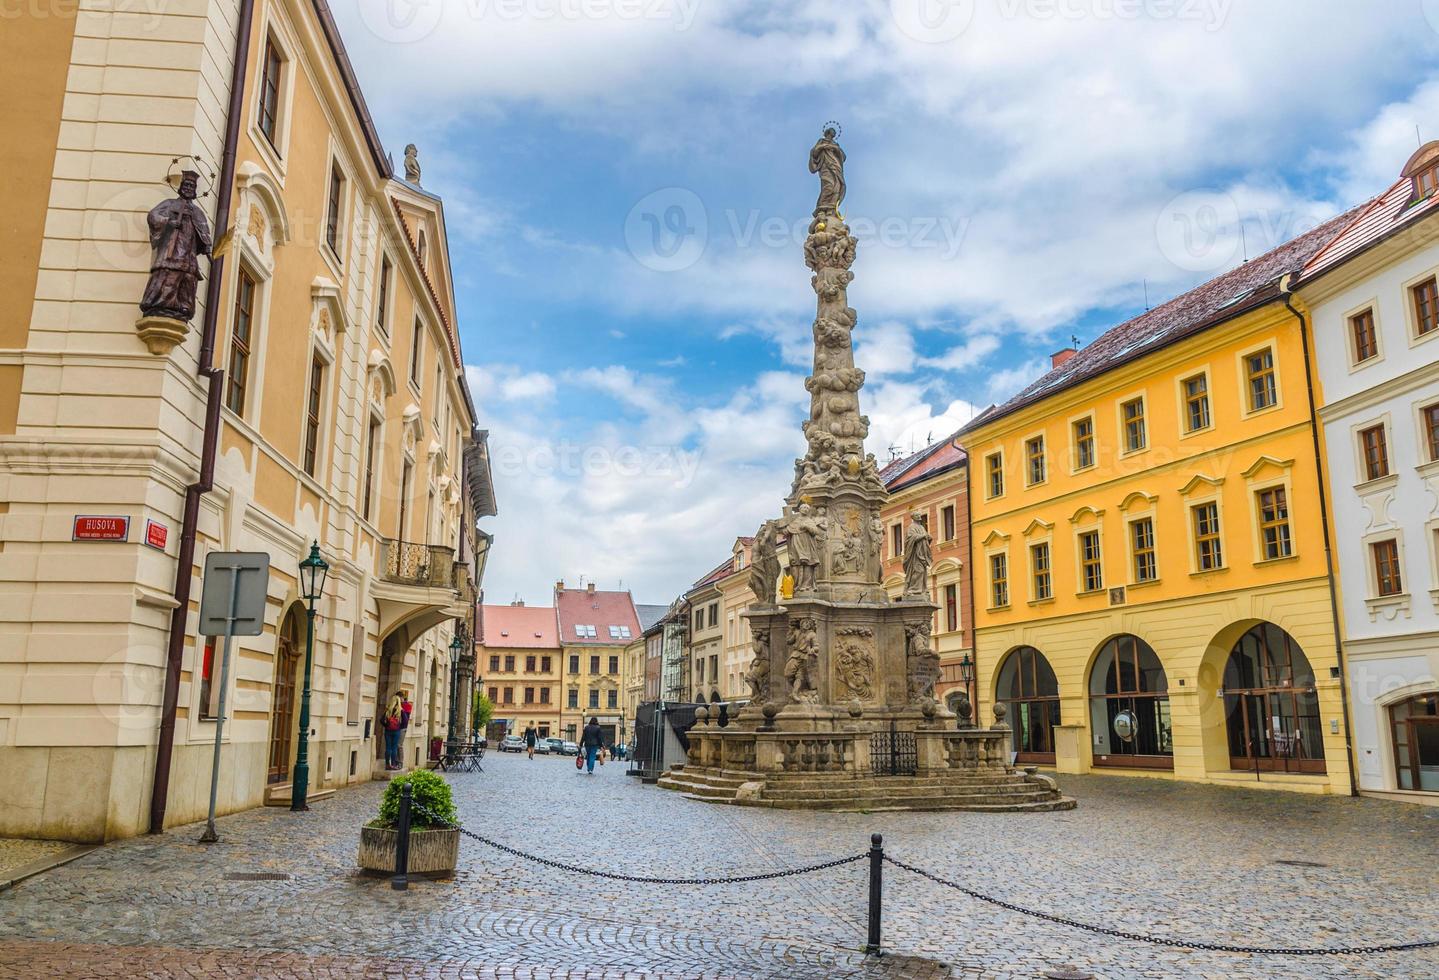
x=1141 y=854
x=17 y=852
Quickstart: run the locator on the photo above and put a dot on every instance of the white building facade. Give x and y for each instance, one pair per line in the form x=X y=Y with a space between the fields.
x=1373 y=297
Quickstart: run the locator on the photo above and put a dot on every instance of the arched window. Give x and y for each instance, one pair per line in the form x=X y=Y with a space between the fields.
x=1270 y=706
x=1129 y=706
x=1415 y=727
x=1028 y=687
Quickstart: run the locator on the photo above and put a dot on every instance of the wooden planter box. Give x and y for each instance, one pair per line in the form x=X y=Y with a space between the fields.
x=432 y=852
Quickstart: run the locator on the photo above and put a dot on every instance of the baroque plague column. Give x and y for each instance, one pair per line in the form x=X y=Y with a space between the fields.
x=842 y=677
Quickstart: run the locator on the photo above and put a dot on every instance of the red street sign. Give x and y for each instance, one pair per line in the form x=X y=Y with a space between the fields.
x=100 y=529
x=156 y=534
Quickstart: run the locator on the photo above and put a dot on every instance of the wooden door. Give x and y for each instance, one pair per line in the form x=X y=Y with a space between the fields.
x=282 y=701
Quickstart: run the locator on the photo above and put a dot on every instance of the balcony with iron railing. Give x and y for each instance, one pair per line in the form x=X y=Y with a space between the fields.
x=429 y=566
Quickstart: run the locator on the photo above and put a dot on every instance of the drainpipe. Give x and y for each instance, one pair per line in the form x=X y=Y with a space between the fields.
x=184 y=565
x=972 y=688
x=1328 y=551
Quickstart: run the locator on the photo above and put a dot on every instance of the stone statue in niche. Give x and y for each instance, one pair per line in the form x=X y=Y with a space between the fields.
x=849 y=559
x=921 y=662
x=412 y=164
x=764 y=564
x=806 y=541
x=757 y=677
x=179 y=235
x=917 y=556
x=827 y=160
x=802 y=666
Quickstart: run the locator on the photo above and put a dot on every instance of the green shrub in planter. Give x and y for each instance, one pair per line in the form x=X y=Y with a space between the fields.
x=431 y=797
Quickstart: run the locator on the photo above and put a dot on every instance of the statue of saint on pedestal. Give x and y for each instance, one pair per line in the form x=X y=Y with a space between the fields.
x=179 y=235
x=917 y=556
x=806 y=540
x=412 y=164
x=827 y=160
x=764 y=564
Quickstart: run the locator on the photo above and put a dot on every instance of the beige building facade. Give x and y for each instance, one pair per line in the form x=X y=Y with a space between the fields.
x=318 y=397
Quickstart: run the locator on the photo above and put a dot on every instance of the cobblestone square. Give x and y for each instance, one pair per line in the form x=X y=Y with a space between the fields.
x=1147 y=855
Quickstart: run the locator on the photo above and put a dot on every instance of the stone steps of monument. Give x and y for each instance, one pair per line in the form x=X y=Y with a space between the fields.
x=899 y=782
x=936 y=803
x=879 y=792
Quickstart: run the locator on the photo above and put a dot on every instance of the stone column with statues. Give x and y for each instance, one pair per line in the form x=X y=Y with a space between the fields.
x=842 y=677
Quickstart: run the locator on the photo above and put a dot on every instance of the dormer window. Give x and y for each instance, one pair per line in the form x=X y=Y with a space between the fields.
x=1423 y=171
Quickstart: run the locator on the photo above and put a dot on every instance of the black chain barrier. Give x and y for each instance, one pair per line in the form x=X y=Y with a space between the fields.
x=877 y=859
x=1164 y=940
x=640 y=879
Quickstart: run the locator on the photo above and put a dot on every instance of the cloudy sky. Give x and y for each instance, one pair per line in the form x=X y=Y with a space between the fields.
x=626 y=189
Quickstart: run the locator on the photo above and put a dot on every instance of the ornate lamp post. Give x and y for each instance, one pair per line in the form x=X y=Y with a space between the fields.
x=966 y=676
x=312 y=586
x=457 y=646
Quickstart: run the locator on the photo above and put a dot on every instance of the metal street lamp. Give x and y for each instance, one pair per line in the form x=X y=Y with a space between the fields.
x=966 y=676
x=312 y=586
x=457 y=646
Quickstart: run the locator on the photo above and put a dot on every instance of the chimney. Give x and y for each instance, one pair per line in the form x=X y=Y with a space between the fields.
x=1060 y=357
x=590 y=588
x=518 y=602
x=560 y=585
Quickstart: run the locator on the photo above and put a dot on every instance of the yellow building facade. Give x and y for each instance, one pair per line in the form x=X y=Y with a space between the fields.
x=1150 y=575
x=321 y=379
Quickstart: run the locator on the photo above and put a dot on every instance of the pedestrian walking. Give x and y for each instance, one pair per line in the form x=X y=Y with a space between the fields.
x=393 y=723
x=591 y=742
x=531 y=737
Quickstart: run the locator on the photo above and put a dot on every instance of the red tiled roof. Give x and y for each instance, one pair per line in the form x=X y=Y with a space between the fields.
x=519 y=626
x=938 y=457
x=1239 y=290
x=581 y=607
x=720 y=571
x=1381 y=217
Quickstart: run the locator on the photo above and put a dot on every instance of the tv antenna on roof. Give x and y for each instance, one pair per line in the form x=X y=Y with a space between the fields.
x=1146 y=299
x=1243 y=240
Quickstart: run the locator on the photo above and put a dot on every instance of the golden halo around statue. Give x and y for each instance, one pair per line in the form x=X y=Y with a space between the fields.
x=186 y=161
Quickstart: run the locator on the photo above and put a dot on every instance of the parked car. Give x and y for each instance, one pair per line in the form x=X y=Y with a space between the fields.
x=542 y=746
x=556 y=745
x=512 y=743
x=571 y=748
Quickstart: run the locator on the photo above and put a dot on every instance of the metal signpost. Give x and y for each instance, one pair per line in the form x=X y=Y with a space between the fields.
x=232 y=604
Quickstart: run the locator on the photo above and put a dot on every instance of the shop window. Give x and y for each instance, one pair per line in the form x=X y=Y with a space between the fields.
x=1129 y=711
x=1414 y=726
x=1271 y=706
x=1027 y=685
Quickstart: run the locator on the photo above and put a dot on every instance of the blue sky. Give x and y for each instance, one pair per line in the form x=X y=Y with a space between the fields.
x=626 y=187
